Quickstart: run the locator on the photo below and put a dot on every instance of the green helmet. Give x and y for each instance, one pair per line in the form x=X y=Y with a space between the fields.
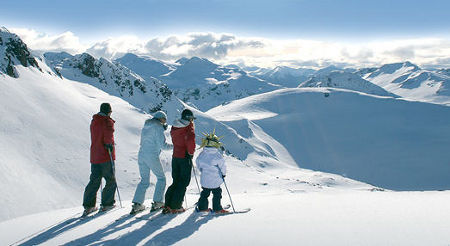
x=211 y=140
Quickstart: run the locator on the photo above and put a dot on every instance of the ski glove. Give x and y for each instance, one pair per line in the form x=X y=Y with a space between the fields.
x=223 y=176
x=109 y=147
x=189 y=156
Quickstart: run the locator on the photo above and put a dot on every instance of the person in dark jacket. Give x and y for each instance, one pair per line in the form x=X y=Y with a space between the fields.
x=183 y=139
x=102 y=144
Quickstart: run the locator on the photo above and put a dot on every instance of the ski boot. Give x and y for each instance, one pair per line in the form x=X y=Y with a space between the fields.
x=177 y=210
x=222 y=211
x=137 y=207
x=157 y=206
x=89 y=210
x=107 y=208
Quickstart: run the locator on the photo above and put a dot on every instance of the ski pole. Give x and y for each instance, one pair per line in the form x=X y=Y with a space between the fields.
x=225 y=183
x=195 y=175
x=101 y=187
x=114 y=174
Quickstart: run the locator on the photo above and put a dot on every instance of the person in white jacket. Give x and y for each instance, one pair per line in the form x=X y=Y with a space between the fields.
x=153 y=141
x=212 y=167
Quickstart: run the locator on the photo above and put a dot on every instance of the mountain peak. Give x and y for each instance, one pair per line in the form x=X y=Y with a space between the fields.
x=392 y=67
x=197 y=64
x=328 y=69
x=197 y=60
x=345 y=80
x=13 y=51
x=129 y=56
x=145 y=66
x=4 y=29
x=182 y=60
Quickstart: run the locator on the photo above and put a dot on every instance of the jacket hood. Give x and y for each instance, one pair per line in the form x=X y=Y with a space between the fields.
x=180 y=123
x=210 y=150
x=156 y=122
x=101 y=116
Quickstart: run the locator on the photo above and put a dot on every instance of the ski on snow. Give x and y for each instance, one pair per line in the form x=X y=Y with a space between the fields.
x=95 y=213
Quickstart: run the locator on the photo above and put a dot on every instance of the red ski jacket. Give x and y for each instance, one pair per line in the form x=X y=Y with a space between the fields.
x=102 y=132
x=183 y=139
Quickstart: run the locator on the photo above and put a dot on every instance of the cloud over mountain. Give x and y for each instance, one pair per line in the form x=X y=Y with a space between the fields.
x=66 y=41
x=207 y=45
x=264 y=52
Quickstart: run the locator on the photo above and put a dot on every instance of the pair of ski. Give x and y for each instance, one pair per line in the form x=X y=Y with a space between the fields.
x=211 y=212
x=152 y=215
x=96 y=212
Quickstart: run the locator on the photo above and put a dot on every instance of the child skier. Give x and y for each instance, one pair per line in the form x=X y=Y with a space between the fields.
x=212 y=167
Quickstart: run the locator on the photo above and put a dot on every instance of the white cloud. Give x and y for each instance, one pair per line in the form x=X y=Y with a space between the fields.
x=423 y=52
x=67 y=41
x=229 y=48
x=116 y=47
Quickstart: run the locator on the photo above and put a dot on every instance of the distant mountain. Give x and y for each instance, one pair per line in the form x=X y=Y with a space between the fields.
x=444 y=71
x=410 y=81
x=193 y=72
x=149 y=95
x=145 y=66
x=13 y=51
x=284 y=76
x=200 y=82
x=344 y=80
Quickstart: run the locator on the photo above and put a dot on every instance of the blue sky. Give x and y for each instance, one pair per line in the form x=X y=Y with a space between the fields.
x=332 y=19
x=264 y=33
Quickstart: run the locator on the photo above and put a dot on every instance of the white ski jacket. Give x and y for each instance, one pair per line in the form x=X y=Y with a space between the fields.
x=152 y=139
x=209 y=162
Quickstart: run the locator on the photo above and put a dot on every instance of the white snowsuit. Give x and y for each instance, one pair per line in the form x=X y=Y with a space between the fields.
x=152 y=142
x=212 y=166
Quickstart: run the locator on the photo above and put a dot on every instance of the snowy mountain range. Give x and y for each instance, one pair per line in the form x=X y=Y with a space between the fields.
x=283 y=76
x=410 y=81
x=149 y=95
x=344 y=80
x=198 y=81
x=324 y=155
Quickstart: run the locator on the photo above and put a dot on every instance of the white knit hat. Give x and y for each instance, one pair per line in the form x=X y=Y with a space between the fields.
x=160 y=115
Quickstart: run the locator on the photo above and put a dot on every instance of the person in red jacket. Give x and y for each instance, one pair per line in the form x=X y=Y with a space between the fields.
x=183 y=139
x=102 y=142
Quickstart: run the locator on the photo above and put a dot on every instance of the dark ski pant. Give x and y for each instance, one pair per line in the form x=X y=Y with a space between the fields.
x=181 y=177
x=203 y=201
x=99 y=171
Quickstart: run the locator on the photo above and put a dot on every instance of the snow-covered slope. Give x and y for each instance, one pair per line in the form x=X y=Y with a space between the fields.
x=149 y=95
x=410 y=81
x=387 y=142
x=344 y=80
x=45 y=141
x=308 y=217
x=198 y=81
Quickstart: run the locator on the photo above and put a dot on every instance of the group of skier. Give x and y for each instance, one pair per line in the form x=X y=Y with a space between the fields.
x=210 y=162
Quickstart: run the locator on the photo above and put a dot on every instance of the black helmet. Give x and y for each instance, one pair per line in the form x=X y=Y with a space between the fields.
x=105 y=108
x=187 y=115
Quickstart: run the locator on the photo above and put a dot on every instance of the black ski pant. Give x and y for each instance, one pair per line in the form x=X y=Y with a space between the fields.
x=99 y=171
x=203 y=201
x=181 y=177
